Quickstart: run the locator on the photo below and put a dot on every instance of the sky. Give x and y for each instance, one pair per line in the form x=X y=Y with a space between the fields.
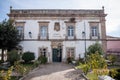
x=111 y=9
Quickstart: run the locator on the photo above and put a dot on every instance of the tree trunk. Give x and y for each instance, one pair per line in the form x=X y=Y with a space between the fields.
x=2 y=55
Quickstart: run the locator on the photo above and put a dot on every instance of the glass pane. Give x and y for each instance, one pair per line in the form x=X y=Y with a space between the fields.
x=43 y=51
x=94 y=31
x=70 y=52
x=43 y=31
x=70 y=31
x=20 y=30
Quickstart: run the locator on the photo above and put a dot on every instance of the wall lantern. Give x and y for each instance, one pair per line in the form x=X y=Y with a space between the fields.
x=30 y=34
x=83 y=34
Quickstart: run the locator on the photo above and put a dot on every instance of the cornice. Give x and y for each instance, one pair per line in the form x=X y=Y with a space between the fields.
x=55 y=13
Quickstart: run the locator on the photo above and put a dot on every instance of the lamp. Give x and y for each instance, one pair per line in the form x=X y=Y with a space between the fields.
x=30 y=34
x=83 y=34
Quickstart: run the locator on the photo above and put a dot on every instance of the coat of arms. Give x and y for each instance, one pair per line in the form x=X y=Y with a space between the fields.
x=57 y=26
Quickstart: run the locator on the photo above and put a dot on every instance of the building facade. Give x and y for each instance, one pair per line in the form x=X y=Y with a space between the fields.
x=59 y=33
x=113 y=45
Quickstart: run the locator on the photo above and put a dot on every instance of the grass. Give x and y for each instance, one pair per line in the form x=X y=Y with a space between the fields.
x=92 y=76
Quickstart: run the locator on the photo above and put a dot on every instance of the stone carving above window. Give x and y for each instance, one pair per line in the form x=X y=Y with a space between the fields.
x=57 y=26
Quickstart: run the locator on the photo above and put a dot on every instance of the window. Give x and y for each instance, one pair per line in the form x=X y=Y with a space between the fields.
x=43 y=32
x=94 y=31
x=70 y=52
x=43 y=52
x=20 y=31
x=70 y=31
x=20 y=27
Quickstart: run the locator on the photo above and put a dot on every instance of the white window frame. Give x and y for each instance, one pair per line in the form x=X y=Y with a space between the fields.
x=69 y=52
x=94 y=31
x=43 y=32
x=42 y=52
x=70 y=32
x=20 y=31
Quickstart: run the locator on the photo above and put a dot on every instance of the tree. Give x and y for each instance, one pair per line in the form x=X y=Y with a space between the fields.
x=8 y=36
x=92 y=49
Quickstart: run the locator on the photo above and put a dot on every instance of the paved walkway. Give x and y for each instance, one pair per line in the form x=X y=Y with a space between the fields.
x=54 y=71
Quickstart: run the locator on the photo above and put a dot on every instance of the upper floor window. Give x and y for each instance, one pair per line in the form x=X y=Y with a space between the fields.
x=43 y=30
x=70 y=31
x=20 y=28
x=94 y=30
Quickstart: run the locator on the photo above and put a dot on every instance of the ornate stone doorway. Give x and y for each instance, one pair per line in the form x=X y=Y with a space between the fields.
x=56 y=51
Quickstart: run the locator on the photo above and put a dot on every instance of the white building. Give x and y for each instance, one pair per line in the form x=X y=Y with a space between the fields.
x=59 y=33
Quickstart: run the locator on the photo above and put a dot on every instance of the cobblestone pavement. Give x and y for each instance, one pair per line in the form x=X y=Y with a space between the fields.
x=54 y=71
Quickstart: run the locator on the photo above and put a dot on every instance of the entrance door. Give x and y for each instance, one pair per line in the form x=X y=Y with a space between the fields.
x=56 y=55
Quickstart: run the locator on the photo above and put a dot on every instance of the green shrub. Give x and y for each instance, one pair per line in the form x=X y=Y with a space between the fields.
x=36 y=63
x=92 y=76
x=1 y=61
x=6 y=75
x=42 y=59
x=19 y=68
x=70 y=59
x=85 y=67
x=115 y=73
x=28 y=56
x=96 y=61
x=93 y=62
x=13 y=56
x=92 y=49
x=112 y=58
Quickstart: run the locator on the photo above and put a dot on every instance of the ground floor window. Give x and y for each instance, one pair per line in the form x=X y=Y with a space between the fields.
x=70 y=52
x=43 y=52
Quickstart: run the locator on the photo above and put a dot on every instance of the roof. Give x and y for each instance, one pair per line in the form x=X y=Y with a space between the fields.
x=112 y=38
x=58 y=12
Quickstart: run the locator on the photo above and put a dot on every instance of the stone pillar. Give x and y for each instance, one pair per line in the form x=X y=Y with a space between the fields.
x=103 y=33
